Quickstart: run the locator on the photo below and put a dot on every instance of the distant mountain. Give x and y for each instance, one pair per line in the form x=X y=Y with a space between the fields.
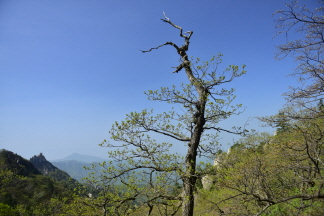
x=80 y=157
x=74 y=168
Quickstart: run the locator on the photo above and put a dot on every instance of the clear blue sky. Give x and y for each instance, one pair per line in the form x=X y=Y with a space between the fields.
x=69 y=69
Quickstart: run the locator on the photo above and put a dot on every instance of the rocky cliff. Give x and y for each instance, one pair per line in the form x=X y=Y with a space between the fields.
x=40 y=162
x=48 y=169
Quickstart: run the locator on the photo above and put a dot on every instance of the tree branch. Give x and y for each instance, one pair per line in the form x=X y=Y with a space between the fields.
x=167 y=43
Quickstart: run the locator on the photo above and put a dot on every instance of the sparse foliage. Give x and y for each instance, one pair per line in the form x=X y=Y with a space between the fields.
x=308 y=26
x=147 y=174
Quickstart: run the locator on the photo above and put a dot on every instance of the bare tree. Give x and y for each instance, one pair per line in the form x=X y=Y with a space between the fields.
x=308 y=25
x=204 y=118
x=151 y=164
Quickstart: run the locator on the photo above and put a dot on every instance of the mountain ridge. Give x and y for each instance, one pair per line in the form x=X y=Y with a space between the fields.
x=81 y=158
x=74 y=168
x=16 y=163
x=31 y=182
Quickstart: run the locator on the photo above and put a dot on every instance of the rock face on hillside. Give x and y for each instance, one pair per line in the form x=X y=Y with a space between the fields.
x=16 y=163
x=48 y=169
x=44 y=166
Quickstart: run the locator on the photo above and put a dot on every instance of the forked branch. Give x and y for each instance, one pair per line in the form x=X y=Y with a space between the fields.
x=181 y=50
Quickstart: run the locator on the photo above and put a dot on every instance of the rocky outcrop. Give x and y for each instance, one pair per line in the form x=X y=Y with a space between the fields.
x=48 y=169
x=44 y=166
x=207 y=182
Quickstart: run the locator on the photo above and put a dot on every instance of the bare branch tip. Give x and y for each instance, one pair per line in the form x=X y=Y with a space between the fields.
x=165 y=17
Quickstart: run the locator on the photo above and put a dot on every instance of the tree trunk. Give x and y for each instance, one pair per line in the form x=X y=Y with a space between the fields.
x=190 y=178
x=188 y=197
x=189 y=181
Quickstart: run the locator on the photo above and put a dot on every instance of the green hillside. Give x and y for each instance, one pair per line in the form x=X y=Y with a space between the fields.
x=17 y=164
x=23 y=186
